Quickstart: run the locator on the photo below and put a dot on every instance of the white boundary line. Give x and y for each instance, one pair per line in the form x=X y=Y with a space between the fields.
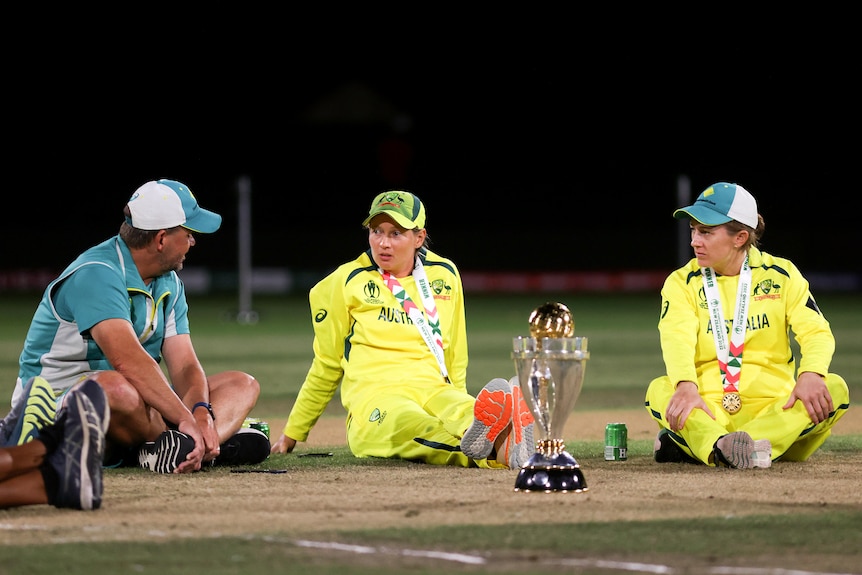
x=581 y=563
x=365 y=550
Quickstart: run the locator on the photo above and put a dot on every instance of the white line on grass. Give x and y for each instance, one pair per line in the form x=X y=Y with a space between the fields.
x=594 y=563
x=365 y=550
x=11 y=527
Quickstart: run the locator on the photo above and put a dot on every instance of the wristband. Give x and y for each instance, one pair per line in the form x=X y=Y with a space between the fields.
x=208 y=406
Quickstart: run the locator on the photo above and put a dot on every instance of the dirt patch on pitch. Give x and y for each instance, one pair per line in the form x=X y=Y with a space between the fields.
x=304 y=500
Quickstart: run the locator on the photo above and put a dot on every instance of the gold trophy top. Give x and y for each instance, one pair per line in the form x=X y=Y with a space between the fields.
x=551 y=320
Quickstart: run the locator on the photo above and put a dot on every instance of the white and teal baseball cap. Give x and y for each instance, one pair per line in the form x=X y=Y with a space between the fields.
x=721 y=203
x=165 y=204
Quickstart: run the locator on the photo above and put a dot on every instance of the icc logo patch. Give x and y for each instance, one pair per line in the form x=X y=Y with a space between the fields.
x=701 y=295
x=372 y=292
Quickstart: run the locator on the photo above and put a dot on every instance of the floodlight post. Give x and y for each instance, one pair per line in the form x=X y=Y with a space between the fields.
x=683 y=198
x=246 y=314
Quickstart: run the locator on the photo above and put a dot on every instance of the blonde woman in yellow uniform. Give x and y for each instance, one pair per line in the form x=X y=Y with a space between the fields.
x=733 y=394
x=389 y=327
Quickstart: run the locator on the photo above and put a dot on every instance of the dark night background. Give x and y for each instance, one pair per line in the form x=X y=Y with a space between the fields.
x=556 y=154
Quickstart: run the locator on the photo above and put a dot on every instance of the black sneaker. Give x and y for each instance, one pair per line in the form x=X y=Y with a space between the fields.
x=665 y=450
x=247 y=447
x=167 y=452
x=117 y=456
x=35 y=409
x=77 y=460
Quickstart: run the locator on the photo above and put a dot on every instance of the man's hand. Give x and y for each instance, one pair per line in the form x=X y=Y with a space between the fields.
x=195 y=456
x=212 y=449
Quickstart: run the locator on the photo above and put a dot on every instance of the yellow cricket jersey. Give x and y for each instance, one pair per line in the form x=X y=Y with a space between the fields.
x=364 y=339
x=780 y=302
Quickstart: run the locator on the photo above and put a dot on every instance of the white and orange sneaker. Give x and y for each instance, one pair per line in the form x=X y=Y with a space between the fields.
x=492 y=417
x=520 y=445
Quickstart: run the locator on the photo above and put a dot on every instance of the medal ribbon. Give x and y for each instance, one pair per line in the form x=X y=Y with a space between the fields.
x=430 y=329
x=729 y=356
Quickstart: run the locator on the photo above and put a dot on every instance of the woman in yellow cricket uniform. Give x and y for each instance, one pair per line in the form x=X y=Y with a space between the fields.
x=734 y=396
x=389 y=327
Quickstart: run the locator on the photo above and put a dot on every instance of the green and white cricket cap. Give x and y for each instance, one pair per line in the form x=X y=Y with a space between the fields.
x=165 y=204
x=405 y=208
x=721 y=203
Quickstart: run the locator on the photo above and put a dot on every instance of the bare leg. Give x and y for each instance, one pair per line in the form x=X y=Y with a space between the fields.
x=132 y=421
x=21 y=480
x=233 y=394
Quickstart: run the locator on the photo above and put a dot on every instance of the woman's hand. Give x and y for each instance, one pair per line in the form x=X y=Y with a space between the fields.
x=284 y=444
x=811 y=390
x=685 y=399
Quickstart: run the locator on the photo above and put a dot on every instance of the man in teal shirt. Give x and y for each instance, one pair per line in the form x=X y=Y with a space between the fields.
x=119 y=310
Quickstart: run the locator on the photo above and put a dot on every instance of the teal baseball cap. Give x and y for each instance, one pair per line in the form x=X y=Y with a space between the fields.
x=721 y=203
x=165 y=204
x=405 y=208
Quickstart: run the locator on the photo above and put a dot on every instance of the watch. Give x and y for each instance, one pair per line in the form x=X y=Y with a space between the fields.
x=208 y=407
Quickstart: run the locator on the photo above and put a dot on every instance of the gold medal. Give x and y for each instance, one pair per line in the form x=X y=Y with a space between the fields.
x=731 y=402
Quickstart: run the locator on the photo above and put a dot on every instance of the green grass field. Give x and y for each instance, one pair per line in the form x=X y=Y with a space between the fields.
x=623 y=340
x=625 y=355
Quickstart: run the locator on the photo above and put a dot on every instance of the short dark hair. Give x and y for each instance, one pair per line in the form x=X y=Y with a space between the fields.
x=137 y=238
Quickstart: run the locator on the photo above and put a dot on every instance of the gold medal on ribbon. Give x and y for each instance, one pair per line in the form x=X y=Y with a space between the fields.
x=731 y=402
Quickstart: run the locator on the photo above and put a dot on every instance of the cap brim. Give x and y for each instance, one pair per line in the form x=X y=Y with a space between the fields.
x=703 y=215
x=203 y=222
x=402 y=221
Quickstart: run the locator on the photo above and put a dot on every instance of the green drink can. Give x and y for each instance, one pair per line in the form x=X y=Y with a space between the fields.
x=264 y=427
x=256 y=423
x=616 y=442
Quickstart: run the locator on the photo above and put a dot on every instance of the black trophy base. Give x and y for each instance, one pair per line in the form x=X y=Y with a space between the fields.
x=557 y=474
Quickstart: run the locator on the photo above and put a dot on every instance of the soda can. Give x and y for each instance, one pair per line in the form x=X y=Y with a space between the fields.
x=256 y=423
x=264 y=427
x=616 y=442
